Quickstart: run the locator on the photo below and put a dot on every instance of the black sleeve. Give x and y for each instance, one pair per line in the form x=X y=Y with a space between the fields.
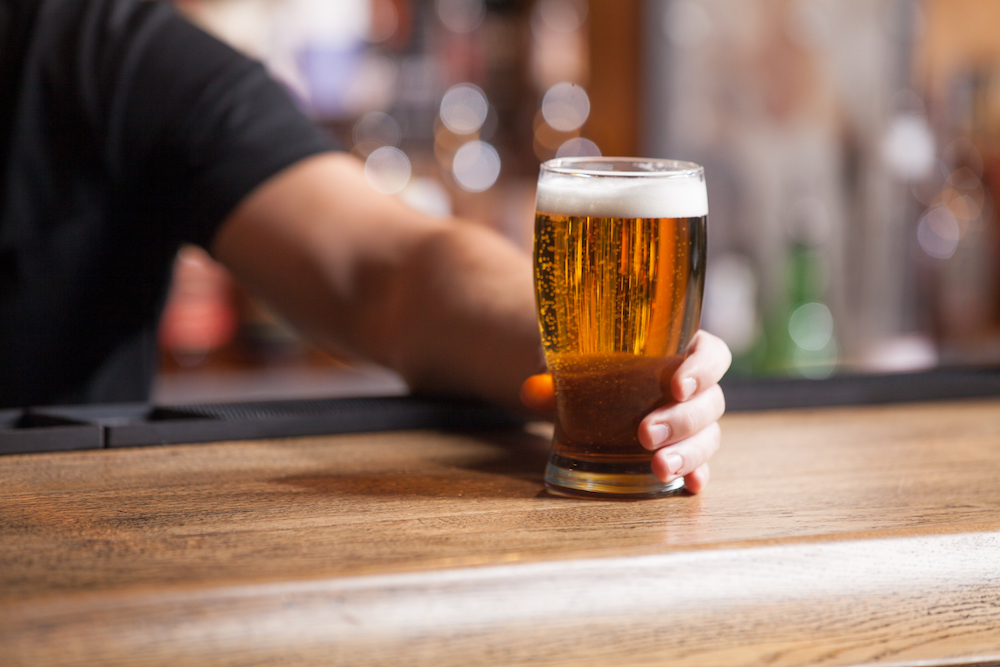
x=186 y=123
x=124 y=132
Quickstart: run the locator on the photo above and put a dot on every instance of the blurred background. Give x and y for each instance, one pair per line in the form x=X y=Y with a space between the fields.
x=851 y=151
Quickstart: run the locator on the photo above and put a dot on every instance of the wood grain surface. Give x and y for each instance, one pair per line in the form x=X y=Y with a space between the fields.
x=826 y=537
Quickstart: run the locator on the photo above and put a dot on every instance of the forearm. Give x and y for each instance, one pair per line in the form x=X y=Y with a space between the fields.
x=448 y=305
x=466 y=305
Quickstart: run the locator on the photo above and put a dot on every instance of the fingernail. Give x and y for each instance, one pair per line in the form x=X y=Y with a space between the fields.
x=688 y=387
x=674 y=463
x=659 y=433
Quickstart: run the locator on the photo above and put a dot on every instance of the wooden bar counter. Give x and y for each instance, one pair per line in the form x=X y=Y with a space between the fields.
x=835 y=536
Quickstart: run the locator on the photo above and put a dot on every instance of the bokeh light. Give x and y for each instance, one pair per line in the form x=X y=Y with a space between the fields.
x=547 y=140
x=427 y=195
x=375 y=130
x=908 y=147
x=461 y=16
x=388 y=170
x=384 y=21
x=816 y=364
x=939 y=233
x=559 y=15
x=811 y=326
x=963 y=152
x=565 y=106
x=476 y=166
x=686 y=24
x=464 y=108
x=578 y=147
x=964 y=178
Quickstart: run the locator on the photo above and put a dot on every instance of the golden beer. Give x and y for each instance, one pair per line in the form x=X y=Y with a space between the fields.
x=619 y=298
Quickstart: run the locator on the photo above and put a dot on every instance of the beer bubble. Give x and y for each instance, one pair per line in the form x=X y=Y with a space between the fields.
x=464 y=108
x=811 y=326
x=939 y=233
x=578 y=147
x=476 y=166
x=461 y=16
x=565 y=106
x=387 y=170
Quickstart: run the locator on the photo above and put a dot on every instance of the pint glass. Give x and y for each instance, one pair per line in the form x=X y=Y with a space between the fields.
x=619 y=262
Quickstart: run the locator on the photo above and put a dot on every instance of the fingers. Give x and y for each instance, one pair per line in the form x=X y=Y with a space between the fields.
x=697 y=480
x=538 y=393
x=687 y=457
x=707 y=361
x=685 y=434
x=678 y=421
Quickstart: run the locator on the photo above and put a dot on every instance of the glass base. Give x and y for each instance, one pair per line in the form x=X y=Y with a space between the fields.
x=588 y=484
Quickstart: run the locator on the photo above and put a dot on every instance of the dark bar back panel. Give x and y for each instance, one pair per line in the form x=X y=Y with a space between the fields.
x=136 y=424
x=940 y=384
x=131 y=425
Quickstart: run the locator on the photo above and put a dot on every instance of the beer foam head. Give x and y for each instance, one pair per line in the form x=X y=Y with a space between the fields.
x=622 y=189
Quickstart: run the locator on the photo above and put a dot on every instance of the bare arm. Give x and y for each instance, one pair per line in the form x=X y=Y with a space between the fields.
x=448 y=305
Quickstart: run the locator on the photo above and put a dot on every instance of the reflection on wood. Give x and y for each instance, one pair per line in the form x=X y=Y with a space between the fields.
x=833 y=537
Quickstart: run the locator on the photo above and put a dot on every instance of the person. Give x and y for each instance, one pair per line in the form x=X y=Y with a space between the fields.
x=128 y=131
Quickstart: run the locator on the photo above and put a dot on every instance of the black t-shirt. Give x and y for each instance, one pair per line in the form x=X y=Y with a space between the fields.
x=126 y=131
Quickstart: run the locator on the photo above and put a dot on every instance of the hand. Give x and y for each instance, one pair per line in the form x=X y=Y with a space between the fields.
x=683 y=434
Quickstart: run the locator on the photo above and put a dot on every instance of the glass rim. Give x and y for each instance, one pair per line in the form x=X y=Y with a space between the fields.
x=571 y=166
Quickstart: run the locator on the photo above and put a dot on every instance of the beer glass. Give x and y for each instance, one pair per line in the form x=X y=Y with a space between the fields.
x=619 y=263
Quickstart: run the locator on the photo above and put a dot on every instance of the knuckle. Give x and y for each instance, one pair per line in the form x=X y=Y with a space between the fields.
x=685 y=422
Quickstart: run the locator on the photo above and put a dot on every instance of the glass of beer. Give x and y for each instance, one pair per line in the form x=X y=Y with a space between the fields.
x=619 y=262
